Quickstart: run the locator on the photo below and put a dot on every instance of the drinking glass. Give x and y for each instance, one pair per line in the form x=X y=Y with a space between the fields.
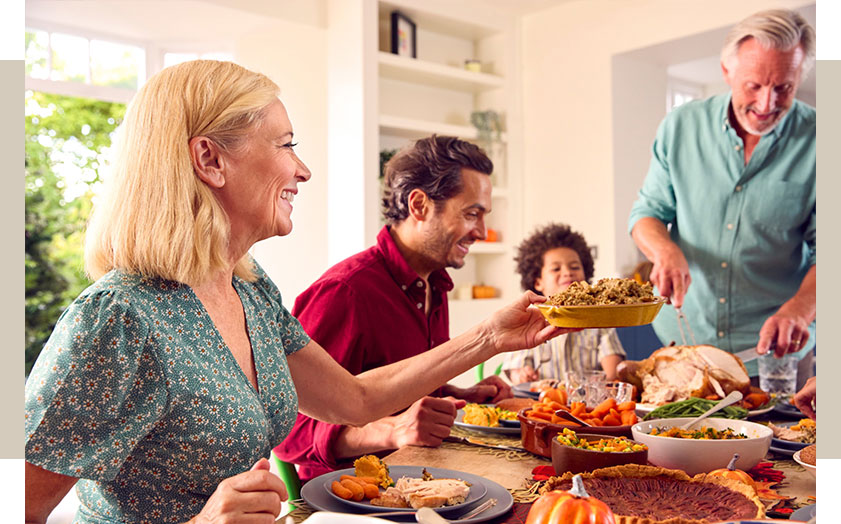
x=778 y=375
x=598 y=393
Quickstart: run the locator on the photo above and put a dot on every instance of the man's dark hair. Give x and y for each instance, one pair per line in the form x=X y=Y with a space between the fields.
x=432 y=165
x=530 y=252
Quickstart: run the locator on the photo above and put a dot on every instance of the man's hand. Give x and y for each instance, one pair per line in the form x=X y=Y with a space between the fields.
x=524 y=374
x=788 y=328
x=806 y=398
x=251 y=497
x=670 y=273
x=425 y=423
x=489 y=391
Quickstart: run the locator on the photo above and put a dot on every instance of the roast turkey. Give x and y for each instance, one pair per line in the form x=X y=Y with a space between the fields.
x=676 y=373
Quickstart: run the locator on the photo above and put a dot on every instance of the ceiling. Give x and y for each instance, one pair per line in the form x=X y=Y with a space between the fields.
x=142 y=20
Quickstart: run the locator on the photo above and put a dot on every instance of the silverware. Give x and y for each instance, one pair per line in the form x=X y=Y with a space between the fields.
x=750 y=354
x=681 y=320
x=488 y=504
x=732 y=398
x=572 y=418
x=429 y=516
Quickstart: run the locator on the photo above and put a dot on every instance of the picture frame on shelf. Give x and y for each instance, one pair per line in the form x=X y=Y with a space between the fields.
x=403 y=35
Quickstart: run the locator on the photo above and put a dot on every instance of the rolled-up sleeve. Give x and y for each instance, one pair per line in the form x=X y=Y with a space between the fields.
x=656 y=198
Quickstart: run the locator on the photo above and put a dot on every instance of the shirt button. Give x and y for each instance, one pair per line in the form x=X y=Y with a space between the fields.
x=404 y=287
x=724 y=264
x=420 y=305
x=729 y=226
x=721 y=334
x=722 y=300
x=737 y=148
x=738 y=188
x=724 y=127
x=420 y=283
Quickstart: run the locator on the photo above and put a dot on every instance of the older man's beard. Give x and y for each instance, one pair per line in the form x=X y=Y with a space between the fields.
x=745 y=122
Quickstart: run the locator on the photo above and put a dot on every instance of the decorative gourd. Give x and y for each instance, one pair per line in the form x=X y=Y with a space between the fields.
x=570 y=507
x=484 y=292
x=730 y=472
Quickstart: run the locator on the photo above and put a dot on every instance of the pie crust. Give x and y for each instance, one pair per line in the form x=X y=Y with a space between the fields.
x=726 y=487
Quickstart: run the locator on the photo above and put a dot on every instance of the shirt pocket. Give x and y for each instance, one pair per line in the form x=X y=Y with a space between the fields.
x=776 y=206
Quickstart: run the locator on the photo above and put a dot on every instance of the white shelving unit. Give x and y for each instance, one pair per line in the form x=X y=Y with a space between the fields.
x=403 y=99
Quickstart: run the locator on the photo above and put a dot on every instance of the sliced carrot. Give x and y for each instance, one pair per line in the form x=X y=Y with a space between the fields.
x=341 y=491
x=604 y=407
x=627 y=406
x=628 y=418
x=541 y=416
x=610 y=420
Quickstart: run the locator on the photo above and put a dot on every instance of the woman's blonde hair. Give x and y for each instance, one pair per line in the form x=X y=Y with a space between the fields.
x=157 y=218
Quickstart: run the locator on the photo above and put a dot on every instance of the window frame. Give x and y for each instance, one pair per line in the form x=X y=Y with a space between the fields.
x=675 y=86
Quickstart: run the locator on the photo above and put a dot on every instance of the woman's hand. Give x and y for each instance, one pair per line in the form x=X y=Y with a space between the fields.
x=253 y=497
x=519 y=326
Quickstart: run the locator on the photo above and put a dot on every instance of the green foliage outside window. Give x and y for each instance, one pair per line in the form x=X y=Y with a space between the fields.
x=67 y=140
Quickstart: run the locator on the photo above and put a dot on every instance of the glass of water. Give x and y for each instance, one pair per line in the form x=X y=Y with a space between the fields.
x=778 y=375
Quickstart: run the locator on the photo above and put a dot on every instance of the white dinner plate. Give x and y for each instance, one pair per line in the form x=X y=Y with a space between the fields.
x=500 y=430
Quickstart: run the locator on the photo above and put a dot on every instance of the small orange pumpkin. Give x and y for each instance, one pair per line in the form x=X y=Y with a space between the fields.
x=730 y=472
x=570 y=507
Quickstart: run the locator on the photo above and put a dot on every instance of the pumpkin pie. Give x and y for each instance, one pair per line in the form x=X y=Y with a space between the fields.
x=651 y=495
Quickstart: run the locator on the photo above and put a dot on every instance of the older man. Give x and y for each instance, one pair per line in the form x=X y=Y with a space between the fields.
x=729 y=200
x=389 y=302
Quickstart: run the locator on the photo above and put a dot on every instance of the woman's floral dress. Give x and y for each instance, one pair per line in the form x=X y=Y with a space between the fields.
x=137 y=394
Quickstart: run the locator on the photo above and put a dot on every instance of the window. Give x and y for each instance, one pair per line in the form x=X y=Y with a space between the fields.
x=679 y=92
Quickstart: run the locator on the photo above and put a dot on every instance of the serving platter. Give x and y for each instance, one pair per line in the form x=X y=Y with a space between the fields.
x=507 y=429
x=645 y=409
x=602 y=316
x=315 y=496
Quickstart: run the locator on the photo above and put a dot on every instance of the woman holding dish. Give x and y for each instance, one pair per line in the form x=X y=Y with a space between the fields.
x=167 y=382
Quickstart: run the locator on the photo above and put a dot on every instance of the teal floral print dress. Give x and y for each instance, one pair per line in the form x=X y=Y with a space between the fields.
x=137 y=395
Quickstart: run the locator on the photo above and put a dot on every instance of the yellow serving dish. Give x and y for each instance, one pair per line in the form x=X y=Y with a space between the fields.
x=608 y=316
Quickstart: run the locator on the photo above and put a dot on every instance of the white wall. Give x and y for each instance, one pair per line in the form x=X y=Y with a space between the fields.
x=568 y=102
x=294 y=55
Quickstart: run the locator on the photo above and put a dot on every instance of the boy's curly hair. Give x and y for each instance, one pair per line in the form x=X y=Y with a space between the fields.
x=530 y=252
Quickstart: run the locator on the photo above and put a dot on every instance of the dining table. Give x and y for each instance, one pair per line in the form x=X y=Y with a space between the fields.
x=513 y=470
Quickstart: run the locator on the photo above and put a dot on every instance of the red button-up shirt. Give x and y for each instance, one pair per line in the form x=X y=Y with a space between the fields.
x=366 y=311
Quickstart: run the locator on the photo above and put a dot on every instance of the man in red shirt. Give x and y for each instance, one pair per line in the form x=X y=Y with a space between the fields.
x=389 y=302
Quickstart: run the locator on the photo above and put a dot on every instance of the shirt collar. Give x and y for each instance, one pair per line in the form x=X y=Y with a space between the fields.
x=400 y=270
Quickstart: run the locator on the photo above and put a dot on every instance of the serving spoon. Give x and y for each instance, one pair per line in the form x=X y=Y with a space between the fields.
x=564 y=414
x=732 y=398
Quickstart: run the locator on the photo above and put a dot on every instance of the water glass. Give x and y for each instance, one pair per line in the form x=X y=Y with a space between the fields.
x=575 y=383
x=778 y=375
x=598 y=393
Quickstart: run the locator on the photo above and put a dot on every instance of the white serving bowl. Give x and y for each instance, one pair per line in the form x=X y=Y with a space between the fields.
x=808 y=467
x=702 y=456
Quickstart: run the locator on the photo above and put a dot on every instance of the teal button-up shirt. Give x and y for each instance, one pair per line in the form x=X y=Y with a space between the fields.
x=748 y=231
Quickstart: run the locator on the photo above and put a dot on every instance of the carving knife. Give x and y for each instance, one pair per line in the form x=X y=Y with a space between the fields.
x=750 y=354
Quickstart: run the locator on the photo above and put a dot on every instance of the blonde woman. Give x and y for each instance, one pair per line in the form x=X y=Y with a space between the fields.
x=167 y=382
